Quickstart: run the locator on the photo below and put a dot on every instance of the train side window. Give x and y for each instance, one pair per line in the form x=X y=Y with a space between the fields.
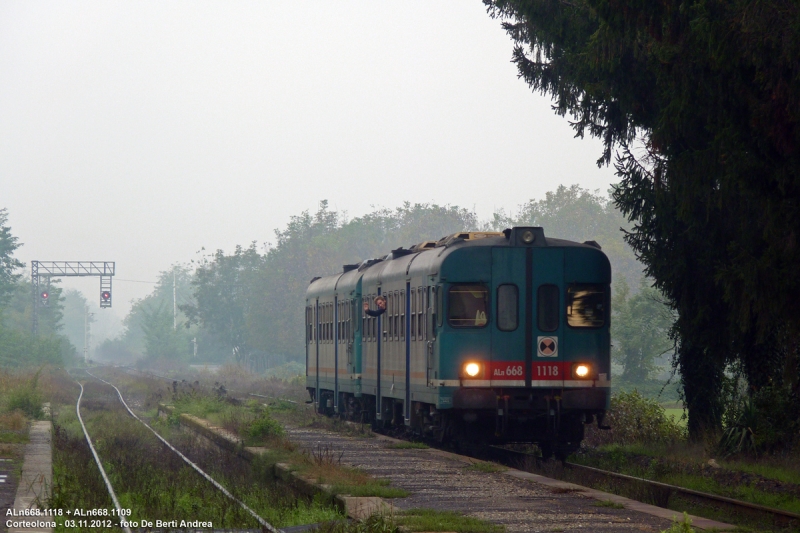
x=507 y=307
x=389 y=326
x=402 y=304
x=439 y=309
x=547 y=307
x=347 y=322
x=586 y=305
x=368 y=322
x=374 y=327
x=354 y=322
x=468 y=305
x=412 y=294
x=395 y=316
x=423 y=308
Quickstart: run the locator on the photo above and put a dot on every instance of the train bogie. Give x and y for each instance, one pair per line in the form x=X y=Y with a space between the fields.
x=495 y=337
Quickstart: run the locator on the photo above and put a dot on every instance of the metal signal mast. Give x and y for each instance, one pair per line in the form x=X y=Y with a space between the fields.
x=43 y=271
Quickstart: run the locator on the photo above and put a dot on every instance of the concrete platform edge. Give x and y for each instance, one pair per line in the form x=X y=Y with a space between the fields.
x=36 y=479
x=697 y=521
x=355 y=507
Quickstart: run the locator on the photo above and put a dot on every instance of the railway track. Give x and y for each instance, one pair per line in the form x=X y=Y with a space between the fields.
x=118 y=516
x=640 y=489
x=648 y=491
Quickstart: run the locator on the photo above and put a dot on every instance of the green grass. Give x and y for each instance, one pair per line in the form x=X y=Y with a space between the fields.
x=609 y=504
x=432 y=520
x=408 y=446
x=677 y=416
x=787 y=473
x=153 y=482
x=485 y=467
x=740 y=492
x=684 y=526
x=667 y=465
x=13 y=437
x=374 y=524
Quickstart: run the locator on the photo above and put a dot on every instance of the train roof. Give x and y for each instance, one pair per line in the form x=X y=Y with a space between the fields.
x=400 y=259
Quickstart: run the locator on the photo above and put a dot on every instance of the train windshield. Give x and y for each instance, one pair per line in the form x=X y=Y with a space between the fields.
x=468 y=306
x=586 y=305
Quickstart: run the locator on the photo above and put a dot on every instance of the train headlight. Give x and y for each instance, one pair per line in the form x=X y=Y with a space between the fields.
x=581 y=371
x=528 y=236
x=472 y=369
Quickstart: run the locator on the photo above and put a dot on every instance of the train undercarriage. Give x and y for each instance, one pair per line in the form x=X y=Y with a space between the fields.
x=552 y=419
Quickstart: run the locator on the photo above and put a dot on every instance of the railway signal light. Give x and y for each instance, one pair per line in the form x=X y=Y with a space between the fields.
x=105 y=297
x=45 y=298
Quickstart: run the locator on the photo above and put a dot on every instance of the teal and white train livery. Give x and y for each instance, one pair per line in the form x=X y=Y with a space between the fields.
x=486 y=338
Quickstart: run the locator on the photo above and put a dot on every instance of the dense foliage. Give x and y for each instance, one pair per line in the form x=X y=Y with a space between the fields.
x=18 y=346
x=635 y=419
x=639 y=331
x=700 y=102
x=9 y=265
x=253 y=303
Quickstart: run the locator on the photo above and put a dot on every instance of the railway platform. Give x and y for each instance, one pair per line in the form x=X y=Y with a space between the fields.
x=36 y=479
x=520 y=501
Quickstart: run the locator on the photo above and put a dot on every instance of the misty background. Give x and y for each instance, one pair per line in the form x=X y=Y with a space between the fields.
x=154 y=134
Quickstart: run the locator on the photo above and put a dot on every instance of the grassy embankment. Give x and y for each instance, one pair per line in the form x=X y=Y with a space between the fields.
x=151 y=480
x=650 y=441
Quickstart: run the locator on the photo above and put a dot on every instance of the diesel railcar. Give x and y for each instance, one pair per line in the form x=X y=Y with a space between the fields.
x=486 y=338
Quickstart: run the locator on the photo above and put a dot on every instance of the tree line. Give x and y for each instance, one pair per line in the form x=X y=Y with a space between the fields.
x=247 y=305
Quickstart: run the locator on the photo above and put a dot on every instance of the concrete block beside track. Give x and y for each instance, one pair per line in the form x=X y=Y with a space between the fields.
x=356 y=507
x=36 y=478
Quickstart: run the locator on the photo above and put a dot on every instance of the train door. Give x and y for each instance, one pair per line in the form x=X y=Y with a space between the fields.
x=547 y=275
x=511 y=346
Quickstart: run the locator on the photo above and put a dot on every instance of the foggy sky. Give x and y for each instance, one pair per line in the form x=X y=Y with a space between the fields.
x=139 y=132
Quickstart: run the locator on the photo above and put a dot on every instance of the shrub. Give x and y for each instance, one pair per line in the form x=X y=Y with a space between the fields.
x=265 y=427
x=635 y=419
x=26 y=399
x=766 y=421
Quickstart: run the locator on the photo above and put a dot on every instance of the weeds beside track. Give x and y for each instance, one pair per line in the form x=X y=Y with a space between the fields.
x=153 y=482
x=653 y=492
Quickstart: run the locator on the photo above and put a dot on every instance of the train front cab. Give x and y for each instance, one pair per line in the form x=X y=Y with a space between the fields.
x=524 y=347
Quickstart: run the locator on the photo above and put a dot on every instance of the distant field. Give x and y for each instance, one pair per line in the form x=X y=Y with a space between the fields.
x=676 y=414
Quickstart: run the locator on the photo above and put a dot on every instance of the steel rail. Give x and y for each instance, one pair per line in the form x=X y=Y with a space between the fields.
x=675 y=488
x=97 y=460
x=691 y=492
x=269 y=527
